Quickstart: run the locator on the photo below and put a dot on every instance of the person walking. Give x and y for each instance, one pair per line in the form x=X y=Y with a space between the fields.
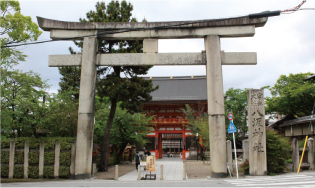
x=137 y=160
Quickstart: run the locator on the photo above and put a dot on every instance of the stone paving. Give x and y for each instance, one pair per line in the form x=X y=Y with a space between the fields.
x=172 y=170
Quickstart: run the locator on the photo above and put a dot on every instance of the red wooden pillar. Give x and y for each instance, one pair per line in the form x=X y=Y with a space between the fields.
x=160 y=145
x=156 y=144
x=184 y=143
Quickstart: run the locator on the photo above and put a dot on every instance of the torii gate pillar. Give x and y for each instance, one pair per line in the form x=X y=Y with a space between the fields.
x=216 y=113
x=85 y=129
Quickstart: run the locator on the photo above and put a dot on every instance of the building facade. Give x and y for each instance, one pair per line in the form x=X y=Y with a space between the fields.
x=170 y=133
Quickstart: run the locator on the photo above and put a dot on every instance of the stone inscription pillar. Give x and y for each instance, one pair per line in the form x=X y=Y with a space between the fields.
x=216 y=114
x=256 y=132
x=84 y=142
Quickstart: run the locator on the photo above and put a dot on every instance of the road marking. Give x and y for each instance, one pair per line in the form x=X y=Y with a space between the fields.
x=274 y=181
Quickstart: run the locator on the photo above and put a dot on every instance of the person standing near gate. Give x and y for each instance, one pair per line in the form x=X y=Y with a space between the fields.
x=137 y=160
x=147 y=152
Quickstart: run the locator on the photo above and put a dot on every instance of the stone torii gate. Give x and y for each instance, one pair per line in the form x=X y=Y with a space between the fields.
x=213 y=58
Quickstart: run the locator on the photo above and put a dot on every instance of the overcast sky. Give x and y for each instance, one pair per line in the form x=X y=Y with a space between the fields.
x=286 y=44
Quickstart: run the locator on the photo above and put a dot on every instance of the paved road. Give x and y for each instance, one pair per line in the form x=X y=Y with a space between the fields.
x=304 y=179
x=172 y=170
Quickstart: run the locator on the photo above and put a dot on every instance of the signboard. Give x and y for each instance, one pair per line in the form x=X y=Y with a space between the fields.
x=232 y=128
x=150 y=163
x=230 y=116
x=143 y=163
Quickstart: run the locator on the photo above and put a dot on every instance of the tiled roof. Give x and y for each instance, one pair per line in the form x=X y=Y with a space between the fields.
x=179 y=88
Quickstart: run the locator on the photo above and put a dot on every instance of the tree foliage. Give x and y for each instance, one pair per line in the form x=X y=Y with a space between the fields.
x=278 y=151
x=22 y=103
x=292 y=95
x=236 y=102
x=15 y=28
x=198 y=123
x=127 y=128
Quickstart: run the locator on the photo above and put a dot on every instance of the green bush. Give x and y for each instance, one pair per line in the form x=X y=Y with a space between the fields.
x=244 y=167
x=66 y=143
x=5 y=156
x=18 y=171
x=64 y=172
x=49 y=158
x=278 y=152
x=65 y=158
x=4 y=171
x=48 y=171
x=33 y=157
x=33 y=172
x=19 y=157
x=111 y=160
x=301 y=143
x=5 y=143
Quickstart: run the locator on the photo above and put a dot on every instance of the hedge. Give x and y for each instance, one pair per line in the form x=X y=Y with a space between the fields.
x=19 y=157
x=65 y=158
x=33 y=172
x=33 y=157
x=48 y=171
x=49 y=157
x=18 y=171
x=5 y=156
x=49 y=142
x=64 y=172
x=4 y=171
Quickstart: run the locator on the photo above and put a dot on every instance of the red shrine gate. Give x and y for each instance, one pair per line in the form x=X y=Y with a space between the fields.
x=169 y=133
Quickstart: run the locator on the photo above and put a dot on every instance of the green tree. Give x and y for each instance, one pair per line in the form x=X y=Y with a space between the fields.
x=198 y=123
x=278 y=151
x=127 y=128
x=70 y=78
x=236 y=102
x=132 y=91
x=22 y=103
x=292 y=95
x=15 y=28
x=63 y=115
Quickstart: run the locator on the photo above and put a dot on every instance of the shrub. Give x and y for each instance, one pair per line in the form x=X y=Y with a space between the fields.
x=33 y=157
x=4 y=171
x=278 y=152
x=33 y=172
x=18 y=171
x=65 y=158
x=244 y=167
x=5 y=143
x=5 y=156
x=49 y=158
x=48 y=171
x=64 y=172
x=19 y=157
x=111 y=160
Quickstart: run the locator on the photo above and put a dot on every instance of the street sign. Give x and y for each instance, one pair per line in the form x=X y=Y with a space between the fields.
x=230 y=116
x=232 y=128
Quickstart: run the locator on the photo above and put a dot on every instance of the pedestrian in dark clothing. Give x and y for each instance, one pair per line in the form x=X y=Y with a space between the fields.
x=137 y=159
x=147 y=152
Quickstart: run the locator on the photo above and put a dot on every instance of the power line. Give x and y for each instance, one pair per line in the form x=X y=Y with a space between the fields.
x=257 y=15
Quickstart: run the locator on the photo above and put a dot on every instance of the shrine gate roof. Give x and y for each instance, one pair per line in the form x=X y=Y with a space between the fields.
x=179 y=88
x=49 y=24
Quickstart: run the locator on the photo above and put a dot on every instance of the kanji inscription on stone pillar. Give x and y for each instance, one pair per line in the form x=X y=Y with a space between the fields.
x=256 y=132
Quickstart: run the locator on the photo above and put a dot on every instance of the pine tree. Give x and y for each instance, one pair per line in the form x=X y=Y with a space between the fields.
x=132 y=91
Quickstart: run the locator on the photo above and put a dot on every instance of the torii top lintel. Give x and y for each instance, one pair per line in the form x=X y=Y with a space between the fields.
x=229 y=27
